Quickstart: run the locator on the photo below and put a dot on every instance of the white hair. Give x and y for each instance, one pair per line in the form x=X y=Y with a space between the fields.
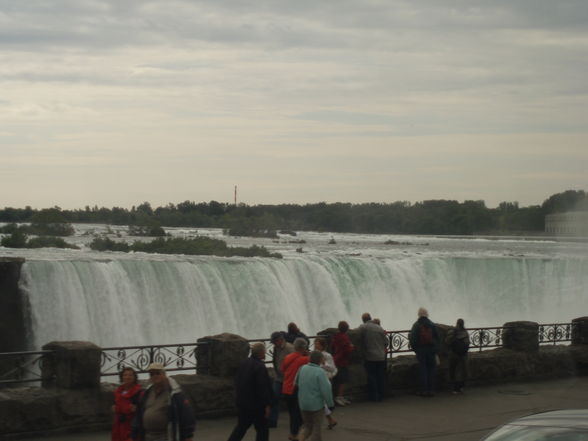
x=423 y=312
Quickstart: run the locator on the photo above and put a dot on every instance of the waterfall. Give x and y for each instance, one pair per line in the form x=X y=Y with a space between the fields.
x=141 y=301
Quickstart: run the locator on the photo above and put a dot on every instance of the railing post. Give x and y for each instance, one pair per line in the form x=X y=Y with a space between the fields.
x=71 y=365
x=521 y=336
x=580 y=331
x=224 y=353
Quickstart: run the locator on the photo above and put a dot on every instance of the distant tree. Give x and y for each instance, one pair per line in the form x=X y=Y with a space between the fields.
x=568 y=200
x=50 y=221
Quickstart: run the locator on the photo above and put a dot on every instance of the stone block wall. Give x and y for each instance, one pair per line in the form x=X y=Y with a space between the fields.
x=74 y=399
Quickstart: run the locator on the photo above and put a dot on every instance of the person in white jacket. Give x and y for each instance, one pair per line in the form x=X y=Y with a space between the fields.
x=328 y=364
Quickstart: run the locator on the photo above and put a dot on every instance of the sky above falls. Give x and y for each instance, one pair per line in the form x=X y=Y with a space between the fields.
x=119 y=102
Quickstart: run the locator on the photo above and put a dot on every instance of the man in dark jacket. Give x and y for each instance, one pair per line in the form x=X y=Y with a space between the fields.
x=424 y=341
x=163 y=413
x=254 y=396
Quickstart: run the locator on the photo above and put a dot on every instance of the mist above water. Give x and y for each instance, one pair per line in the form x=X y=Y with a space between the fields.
x=118 y=299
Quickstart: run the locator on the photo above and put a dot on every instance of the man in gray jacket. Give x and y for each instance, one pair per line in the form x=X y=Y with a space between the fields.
x=373 y=348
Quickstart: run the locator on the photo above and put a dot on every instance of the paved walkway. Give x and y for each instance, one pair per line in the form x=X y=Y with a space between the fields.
x=445 y=417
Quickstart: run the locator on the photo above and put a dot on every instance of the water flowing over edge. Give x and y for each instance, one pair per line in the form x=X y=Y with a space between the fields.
x=128 y=302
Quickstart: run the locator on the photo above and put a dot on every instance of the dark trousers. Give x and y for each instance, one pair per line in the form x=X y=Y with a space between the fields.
x=247 y=417
x=427 y=365
x=458 y=371
x=376 y=379
x=275 y=410
x=294 y=411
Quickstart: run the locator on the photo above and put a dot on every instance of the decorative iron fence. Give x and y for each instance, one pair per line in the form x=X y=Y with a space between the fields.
x=178 y=357
x=398 y=341
x=555 y=333
x=21 y=367
x=25 y=367
x=489 y=337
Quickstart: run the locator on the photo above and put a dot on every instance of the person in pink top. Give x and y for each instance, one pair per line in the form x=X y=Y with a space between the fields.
x=290 y=366
x=341 y=348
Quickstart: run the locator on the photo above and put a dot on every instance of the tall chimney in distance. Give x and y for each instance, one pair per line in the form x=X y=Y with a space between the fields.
x=235 y=195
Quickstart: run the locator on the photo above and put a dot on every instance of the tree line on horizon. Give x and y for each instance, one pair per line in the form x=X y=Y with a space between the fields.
x=425 y=217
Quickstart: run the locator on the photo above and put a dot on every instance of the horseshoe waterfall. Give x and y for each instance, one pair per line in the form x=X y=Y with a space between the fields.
x=155 y=300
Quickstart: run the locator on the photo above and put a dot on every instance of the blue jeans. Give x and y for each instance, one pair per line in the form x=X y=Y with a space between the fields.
x=275 y=410
x=427 y=365
x=376 y=379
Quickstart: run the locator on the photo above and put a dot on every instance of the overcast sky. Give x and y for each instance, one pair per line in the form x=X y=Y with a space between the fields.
x=123 y=101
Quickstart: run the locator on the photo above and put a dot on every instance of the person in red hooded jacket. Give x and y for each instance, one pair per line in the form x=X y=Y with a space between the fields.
x=341 y=348
x=126 y=397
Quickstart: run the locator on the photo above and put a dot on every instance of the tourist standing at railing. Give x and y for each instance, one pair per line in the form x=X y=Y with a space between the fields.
x=314 y=391
x=294 y=332
x=424 y=341
x=254 y=396
x=342 y=349
x=126 y=397
x=163 y=413
x=373 y=348
x=458 y=341
x=328 y=365
x=281 y=349
x=290 y=366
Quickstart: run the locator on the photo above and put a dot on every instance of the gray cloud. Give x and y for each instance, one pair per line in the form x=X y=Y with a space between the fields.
x=352 y=85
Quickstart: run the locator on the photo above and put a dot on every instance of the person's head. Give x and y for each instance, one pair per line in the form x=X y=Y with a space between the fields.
x=293 y=328
x=422 y=312
x=460 y=324
x=300 y=345
x=277 y=338
x=366 y=317
x=258 y=351
x=343 y=326
x=316 y=357
x=128 y=376
x=377 y=321
x=320 y=344
x=157 y=374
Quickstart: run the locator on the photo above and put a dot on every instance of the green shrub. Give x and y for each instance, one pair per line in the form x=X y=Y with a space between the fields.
x=18 y=239
x=49 y=242
x=106 y=244
x=203 y=246
x=146 y=230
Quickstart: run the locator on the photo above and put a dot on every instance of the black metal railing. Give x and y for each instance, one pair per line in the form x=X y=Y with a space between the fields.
x=178 y=357
x=488 y=337
x=26 y=367
x=398 y=341
x=21 y=367
x=555 y=333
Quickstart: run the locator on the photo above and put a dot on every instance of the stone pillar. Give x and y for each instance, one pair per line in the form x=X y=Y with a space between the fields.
x=327 y=334
x=220 y=355
x=12 y=319
x=521 y=336
x=72 y=365
x=580 y=331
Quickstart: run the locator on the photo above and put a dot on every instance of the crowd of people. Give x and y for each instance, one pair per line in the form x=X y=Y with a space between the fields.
x=305 y=380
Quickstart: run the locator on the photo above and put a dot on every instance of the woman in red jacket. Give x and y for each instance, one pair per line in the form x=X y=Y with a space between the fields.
x=126 y=397
x=341 y=349
x=290 y=366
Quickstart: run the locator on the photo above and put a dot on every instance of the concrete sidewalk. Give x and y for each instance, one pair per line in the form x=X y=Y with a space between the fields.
x=445 y=417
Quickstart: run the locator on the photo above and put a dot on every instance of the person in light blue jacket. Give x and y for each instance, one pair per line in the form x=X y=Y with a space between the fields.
x=314 y=391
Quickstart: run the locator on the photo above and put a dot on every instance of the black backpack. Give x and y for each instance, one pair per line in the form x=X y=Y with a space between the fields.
x=459 y=346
